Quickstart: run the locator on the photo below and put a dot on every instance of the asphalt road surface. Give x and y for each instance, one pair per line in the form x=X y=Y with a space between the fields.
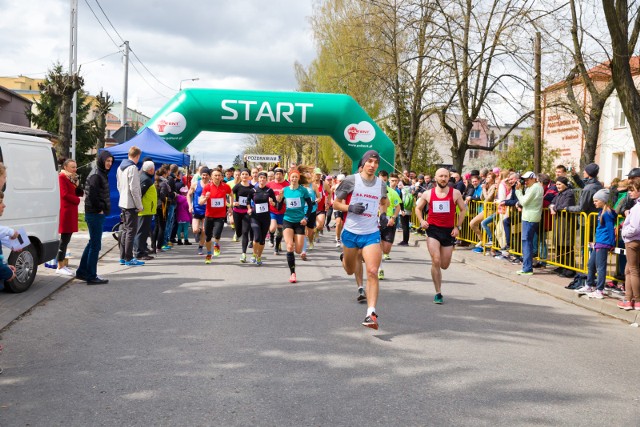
x=177 y=342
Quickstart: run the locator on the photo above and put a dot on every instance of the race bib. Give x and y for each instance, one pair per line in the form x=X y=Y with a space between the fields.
x=217 y=203
x=441 y=206
x=262 y=207
x=293 y=203
x=370 y=206
x=242 y=201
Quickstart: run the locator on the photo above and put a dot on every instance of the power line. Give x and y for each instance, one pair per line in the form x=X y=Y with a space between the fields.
x=99 y=22
x=109 y=21
x=147 y=82
x=131 y=50
x=106 y=56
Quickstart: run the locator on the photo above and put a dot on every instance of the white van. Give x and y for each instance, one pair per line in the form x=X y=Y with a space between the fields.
x=32 y=198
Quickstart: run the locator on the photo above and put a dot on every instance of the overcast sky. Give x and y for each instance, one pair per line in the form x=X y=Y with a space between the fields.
x=235 y=44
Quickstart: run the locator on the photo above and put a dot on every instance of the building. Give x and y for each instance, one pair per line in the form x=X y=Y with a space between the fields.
x=13 y=108
x=561 y=129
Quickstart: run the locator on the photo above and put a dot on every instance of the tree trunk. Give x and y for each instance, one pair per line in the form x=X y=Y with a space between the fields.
x=618 y=22
x=64 y=128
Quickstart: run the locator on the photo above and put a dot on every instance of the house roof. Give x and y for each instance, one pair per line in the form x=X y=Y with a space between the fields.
x=22 y=130
x=16 y=94
x=601 y=73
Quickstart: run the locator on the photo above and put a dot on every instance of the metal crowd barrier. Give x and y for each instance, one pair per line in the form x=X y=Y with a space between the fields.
x=562 y=240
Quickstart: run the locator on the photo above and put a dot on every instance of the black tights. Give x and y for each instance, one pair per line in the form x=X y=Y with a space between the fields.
x=242 y=222
x=65 y=238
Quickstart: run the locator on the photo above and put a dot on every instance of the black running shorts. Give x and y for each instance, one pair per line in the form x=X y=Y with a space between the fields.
x=442 y=235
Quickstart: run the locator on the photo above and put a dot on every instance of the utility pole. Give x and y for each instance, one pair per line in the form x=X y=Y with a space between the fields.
x=123 y=119
x=73 y=70
x=537 y=145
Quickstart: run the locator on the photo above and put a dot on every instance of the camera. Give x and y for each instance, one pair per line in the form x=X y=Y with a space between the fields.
x=521 y=180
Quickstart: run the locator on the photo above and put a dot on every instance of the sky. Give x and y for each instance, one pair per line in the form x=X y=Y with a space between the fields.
x=225 y=44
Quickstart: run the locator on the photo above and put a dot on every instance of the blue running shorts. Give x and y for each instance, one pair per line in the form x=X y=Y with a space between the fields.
x=351 y=240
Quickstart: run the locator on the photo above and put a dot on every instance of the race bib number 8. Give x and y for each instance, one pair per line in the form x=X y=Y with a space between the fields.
x=262 y=207
x=293 y=203
x=441 y=206
x=217 y=203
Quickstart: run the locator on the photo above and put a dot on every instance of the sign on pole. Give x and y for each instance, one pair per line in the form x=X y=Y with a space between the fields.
x=269 y=158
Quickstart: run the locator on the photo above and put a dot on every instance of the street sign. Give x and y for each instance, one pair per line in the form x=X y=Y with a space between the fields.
x=269 y=158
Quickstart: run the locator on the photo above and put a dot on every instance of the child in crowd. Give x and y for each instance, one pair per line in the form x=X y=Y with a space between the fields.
x=605 y=241
x=183 y=216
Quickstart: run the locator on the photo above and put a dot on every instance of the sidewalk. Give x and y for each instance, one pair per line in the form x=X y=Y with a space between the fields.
x=12 y=306
x=543 y=280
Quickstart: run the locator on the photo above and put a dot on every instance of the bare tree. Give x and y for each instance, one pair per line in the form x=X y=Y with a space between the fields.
x=102 y=108
x=481 y=49
x=620 y=16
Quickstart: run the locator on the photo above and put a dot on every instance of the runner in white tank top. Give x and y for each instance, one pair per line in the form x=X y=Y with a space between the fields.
x=362 y=197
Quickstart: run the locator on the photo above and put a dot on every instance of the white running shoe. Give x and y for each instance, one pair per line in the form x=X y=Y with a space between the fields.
x=64 y=271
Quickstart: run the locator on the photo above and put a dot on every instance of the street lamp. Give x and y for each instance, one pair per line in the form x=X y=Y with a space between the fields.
x=188 y=80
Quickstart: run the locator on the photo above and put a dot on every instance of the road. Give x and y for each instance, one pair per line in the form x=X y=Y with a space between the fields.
x=177 y=342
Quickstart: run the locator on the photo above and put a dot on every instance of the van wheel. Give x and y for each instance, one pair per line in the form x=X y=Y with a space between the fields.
x=26 y=269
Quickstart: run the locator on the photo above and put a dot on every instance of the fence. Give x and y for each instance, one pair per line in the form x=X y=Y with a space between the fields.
x=562 y=239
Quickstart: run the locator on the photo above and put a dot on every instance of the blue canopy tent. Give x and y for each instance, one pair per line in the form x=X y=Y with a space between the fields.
x=152 y=146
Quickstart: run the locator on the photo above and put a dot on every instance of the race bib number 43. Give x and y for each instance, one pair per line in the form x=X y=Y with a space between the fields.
x=217 y=203
x=441 y=206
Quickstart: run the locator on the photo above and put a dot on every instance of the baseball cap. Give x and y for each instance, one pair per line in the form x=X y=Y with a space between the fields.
x=340 y=177
x=635 y=172
x=528 y=175
x=317 y=170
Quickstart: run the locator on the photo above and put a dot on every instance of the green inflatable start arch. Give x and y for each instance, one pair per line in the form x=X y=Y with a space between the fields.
x=285 y=113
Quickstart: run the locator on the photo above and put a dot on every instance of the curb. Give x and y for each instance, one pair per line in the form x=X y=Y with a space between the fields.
x=607 y=306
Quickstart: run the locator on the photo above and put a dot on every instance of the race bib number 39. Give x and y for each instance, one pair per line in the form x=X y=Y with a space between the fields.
x=293 y=203
x=262 y=207
x=217 y=203
x=441 y=206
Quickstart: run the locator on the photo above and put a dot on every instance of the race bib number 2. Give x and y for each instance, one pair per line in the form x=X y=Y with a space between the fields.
x=217 y=203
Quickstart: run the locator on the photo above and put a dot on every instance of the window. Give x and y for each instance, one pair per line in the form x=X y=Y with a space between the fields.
x=618 y=164
x=473 y=154
x=620 y=120
x=475 y=134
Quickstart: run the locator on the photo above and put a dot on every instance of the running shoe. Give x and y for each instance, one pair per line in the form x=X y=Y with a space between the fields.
x=133 y=262
x=625 y=305
x=234 y=238
x=311 y=245
x=586 y=289
x=338 y=243
x=243 y=258
x=200 y=250
x=64 y=271
x=251 y=245
x=276 y=251
x=259 y=261
x=362 y=296
x=386 y=257
x=303 y=256
x=207 y=259
x=438 y=299
x=479 y=244
x=166 y=248
x=253 y=259
x=597 y=294
x=524 y=273
x=371 y=321
x=271 y=244
x=122 y=261
x=489 y=243
x=293 y=278
x=216 y=251
x=380 y=274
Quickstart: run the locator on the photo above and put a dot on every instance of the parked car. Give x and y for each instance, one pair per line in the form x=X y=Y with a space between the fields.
x=32 y=197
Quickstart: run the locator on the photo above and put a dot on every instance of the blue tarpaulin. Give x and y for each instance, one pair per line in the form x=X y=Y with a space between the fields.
x=152 y=146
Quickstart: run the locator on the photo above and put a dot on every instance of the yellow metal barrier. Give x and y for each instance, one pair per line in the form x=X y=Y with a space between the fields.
x=563 y=239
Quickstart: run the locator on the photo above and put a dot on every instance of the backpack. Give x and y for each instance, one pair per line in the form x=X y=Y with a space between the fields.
x=408 y=200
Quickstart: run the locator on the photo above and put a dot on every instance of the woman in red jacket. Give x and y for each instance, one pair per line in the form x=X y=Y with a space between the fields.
x=70 y=194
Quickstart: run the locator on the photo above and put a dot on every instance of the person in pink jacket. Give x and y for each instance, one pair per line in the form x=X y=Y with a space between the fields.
x=631 y=238
x=183 y=216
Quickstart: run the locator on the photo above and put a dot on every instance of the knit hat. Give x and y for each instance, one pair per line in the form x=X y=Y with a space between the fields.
x=592 y=170
x=205 y=170
x=602 y=195
x=371 y=154
x=563 y=179
x=475 y=172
